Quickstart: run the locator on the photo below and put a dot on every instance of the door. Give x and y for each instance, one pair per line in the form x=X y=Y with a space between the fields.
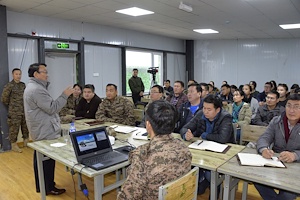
x=61 y=72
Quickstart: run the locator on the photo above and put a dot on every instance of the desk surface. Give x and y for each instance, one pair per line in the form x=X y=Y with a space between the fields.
x=282 y=178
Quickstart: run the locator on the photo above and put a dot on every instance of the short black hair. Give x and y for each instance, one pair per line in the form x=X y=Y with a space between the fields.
x=34 y=68
x=274 y=92
x=15 y=69
x=160 y=88
x=76 y=84
x=135 y=69
x=225 y=85
x=162 y=116
x=205 y=85
x=168 y=81
x=294 y=86
x=193 y=80
x=181 y=83
x=111 y=84
x=253 y=83
x=233 y=87
x=241 y=92
x=198 y=87
x=90 y=86
x=297 y=90
x=294 y=97
x=213 y=83
x=268 y=83
x=214 y=100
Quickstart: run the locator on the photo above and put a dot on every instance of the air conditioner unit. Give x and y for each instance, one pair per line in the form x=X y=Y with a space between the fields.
x=184 y=7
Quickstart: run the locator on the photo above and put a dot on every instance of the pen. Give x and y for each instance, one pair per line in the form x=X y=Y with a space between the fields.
x=199 y=143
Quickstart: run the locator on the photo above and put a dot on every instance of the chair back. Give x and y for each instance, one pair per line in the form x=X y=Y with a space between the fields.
x=183 y=188
x=138 y=114
x=251 y=133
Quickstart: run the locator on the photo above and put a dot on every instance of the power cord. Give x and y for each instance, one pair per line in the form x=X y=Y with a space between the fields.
x=83 y=187
x=73 y=173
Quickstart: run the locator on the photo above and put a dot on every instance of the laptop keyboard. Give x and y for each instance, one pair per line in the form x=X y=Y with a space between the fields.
x=102 y=158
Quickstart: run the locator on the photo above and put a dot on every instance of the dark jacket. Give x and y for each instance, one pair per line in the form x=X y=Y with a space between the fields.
x=228 y=98
x=88 y=110
x=222 y=131
x=182 y=98
x=264 y=115
x=136 y=85
x=185 y=115
x=262 y=97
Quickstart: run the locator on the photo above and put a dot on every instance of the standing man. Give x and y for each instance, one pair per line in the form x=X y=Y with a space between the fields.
x=41 y=112
x=12 y=96
x=115 y=108
x=168 y=88
x=136 y=86
x=282 y=135
x=89 y=104
x=161 y=160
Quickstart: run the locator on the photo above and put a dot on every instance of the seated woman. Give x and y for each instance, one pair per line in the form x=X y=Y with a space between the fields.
x=282 y=89
x=68 y=111
x=250 y=99
x=240 y=111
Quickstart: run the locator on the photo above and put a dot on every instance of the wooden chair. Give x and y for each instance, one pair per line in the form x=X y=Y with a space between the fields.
x=250 y=133
x=184 y=187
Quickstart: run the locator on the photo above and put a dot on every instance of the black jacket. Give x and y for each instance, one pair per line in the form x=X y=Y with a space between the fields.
x=222 y=131
x=88 y=110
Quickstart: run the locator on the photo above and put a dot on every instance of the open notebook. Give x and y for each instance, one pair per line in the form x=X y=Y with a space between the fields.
x=259 y=161
x=209 y=146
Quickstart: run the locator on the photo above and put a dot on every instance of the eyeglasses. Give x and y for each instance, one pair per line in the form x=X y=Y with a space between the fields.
x=291 y=107
x=153 y=92
x=45 y=72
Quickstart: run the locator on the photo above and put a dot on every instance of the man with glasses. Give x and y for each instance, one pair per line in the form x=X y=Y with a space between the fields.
x=41 y=113
x=266 y=112
x=283 y=133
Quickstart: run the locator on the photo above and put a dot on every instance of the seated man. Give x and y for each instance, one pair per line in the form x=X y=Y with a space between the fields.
x=189 y=109
x=168 y=88
x=88 y=104
x=226 y=95
x=156 y=93
x=115 y=108
x=212 y=123
x=266 y=112
x=283 y=134
x=178 y=98
x=205 y=90
x=160 y=161
x=261 y=98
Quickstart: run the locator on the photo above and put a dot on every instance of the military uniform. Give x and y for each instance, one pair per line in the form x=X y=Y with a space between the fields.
x=156 y=163
x=69 y=109
x=119 y=111
x=136 y=86
x=12 y=96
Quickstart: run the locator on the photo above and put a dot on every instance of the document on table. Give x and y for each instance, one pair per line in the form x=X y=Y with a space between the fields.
x=124 y=129
x=259 y=161
x=209 y=146
x=140 y=134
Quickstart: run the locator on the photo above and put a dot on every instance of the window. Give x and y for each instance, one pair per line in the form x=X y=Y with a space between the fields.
x=143 y=61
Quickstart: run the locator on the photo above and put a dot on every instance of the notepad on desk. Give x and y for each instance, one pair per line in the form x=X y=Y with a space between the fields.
x=259 y=161
x=140 y=134
x=124 y=129
x=209 y=146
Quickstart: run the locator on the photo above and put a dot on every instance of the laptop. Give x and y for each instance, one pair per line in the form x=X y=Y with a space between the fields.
x=93 y=149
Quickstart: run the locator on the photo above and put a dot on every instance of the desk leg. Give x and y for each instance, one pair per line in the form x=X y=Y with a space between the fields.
x=39 y=159
x=98 y=186
x=230 y=185
x=214 y=185
x=226 y=187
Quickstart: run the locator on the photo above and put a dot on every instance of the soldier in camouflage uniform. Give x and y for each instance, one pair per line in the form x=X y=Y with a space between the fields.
x=12 y=96
x=68 y=111
x=115 y=108
x=158 y=162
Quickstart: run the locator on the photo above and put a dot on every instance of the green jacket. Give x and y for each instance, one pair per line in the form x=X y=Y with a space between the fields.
x=136 y=85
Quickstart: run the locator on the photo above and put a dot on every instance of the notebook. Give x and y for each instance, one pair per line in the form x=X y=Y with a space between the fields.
x=259 y=161
x=93 y=149
x=209 y=146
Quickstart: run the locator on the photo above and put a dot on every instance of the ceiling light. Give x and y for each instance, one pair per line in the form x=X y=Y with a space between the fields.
x=134 y=11
x=184 y=7
x=290 y=26
x=205 y=31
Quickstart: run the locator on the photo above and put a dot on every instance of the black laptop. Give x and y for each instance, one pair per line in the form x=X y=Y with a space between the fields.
x=93 y=149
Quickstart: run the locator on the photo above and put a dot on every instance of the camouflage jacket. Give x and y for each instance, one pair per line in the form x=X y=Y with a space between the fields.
x=156 y=163
x=12 y=96
x=70 y=107
x=119 y=111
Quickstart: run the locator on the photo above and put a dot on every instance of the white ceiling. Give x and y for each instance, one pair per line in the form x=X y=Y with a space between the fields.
x=234 y=19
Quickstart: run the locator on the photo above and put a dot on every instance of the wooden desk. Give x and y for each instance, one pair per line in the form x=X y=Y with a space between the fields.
x=281 y=178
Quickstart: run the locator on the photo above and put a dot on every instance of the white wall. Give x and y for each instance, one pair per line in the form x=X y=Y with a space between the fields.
x=240 y=61
x=176 y=68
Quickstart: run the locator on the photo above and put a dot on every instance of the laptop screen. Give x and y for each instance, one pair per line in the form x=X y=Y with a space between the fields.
x=90 y=141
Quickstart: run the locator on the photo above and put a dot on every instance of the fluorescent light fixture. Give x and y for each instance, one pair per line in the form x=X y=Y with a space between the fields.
x=185 y=7
x=290 y=26
x=205 y=31
x=134 y=11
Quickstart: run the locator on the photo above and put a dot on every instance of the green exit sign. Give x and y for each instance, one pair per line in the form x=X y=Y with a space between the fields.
x=62 y=45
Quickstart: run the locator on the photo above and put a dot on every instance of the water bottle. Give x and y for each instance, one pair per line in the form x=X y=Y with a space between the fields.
x=72 y=127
